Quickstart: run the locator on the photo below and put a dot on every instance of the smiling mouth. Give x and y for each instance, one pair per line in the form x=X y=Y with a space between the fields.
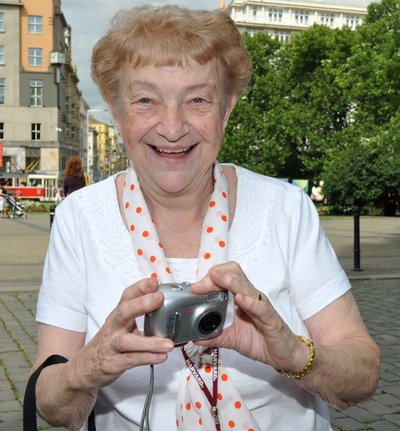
x=167 y=151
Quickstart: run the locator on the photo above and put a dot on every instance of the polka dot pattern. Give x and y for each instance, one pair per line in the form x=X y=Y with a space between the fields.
x=147 y=247
x=192 y=407
x=233 y=413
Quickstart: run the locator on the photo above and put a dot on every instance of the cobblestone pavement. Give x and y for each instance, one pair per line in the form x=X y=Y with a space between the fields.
x=376 y=288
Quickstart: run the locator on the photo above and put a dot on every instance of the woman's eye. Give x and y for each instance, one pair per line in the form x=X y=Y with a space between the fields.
x=145 y=100
x=198 y=100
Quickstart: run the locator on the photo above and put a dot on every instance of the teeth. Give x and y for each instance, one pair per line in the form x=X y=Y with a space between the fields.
x=161 y=150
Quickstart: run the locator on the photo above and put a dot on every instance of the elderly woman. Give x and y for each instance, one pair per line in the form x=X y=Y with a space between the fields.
x=293 y=339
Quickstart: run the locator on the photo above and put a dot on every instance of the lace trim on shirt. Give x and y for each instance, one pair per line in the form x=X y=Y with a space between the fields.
x=183 y=269
x=249 y=228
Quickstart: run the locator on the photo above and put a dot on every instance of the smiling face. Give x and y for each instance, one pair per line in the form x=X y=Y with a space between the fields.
x=172 y=121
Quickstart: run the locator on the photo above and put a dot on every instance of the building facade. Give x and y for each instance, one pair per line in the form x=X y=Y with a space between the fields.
x=109 y=155
x=282 y=18
x=41 y=110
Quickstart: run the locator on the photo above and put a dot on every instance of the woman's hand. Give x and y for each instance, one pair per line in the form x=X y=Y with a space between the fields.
x=257 y=332
x=118 y=345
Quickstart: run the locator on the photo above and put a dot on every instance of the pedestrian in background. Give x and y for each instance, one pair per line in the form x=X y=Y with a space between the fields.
x=3 y=202
x=74 y=177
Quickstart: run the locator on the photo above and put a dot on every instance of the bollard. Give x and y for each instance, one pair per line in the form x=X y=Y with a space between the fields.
x=52 y=213
x=357 y=248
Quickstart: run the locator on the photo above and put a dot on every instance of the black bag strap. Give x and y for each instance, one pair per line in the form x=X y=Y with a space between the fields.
x=29 y=407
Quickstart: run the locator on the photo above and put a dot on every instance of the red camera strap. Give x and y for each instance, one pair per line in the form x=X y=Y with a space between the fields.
x=212 y=399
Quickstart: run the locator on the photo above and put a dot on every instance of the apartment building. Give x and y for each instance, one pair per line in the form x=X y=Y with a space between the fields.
x=41 y=108
x=109 y=155
x=282 y=18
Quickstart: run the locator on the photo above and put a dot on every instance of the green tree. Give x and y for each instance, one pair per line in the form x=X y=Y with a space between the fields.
x=372 y=73
x=249 y=140
x=365 y=171
x=318 y=105
x=325 y=106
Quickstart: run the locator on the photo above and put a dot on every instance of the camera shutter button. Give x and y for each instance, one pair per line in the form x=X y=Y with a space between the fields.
x=216 y=297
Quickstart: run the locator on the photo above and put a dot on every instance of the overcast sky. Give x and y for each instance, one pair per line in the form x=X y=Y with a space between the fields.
x=89 y=20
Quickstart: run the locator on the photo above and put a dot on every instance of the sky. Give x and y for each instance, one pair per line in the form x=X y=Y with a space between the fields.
x=89 y=19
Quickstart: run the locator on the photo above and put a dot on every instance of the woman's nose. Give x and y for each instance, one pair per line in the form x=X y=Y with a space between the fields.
x=173 y=123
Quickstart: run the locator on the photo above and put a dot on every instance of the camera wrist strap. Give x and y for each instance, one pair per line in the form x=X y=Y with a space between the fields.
x=212 y=399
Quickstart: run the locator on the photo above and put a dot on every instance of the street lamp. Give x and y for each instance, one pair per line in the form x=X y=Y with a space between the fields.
x=88 y=112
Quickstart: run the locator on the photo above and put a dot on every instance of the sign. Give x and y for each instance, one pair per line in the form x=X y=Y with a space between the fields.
x=304 y=184
x=26 y=192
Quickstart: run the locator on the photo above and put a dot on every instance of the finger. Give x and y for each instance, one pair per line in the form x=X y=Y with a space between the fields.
x=136 y=350
x=134 y=343
x=260 y=312
x=128 y=310
x=234 y=281
x=142 y=287
x=215 y=278
x=123 y=362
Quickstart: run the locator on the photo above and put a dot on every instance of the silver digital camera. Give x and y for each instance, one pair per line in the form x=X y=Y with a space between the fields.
x=186 y=316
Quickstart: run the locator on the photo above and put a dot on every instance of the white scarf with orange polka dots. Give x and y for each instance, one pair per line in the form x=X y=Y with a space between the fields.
x=192 y=408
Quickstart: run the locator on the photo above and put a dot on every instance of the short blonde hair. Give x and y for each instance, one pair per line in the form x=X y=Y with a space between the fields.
x=170 y=36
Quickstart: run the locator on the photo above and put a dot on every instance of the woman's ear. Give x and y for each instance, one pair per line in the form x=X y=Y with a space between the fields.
x=116 y=113
x=229 y=108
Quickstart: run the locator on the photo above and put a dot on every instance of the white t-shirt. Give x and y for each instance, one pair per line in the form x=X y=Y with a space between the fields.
x=275 y=237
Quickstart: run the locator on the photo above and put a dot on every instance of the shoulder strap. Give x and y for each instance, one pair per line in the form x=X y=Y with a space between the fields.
x=29 y=408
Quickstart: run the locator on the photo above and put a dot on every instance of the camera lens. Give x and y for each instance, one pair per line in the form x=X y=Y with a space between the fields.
x=209 y=322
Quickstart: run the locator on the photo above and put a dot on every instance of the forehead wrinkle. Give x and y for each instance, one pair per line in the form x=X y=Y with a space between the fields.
x=155 y=87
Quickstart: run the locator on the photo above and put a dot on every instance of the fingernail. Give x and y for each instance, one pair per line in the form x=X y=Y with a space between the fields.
x=167 y=345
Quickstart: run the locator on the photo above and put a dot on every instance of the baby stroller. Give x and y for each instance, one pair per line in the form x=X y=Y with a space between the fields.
x=15 y=208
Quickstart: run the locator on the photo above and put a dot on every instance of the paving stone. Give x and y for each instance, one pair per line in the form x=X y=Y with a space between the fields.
x=380 y=409
x=6 y=395
x=384 y=425
x=393 y=389
x=335 y=414
x=349 y=424
x=11 y=422
x=362 y=414
x=9 y=406
x=387 y=400
x=395 y=418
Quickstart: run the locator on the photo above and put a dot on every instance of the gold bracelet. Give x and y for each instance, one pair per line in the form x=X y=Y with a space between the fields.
x=311 y=360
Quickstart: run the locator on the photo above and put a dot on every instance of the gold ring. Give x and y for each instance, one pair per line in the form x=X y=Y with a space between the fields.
x=259 y=297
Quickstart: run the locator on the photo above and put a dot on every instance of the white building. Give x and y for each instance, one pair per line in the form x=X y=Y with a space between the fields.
x=281 y=18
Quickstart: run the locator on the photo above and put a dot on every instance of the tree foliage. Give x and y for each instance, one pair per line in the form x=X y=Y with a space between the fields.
x=325 y=105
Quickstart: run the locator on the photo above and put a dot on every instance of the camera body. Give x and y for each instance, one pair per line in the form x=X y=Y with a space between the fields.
x=186 y=316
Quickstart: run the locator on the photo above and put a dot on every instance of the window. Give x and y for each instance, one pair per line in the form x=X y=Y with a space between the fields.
x=36 y=97
x=1 y=130
x=353 y=21
x=275 y=15
x=282 y=36
x=35 y=56
x=255 y=11
x=35 y=131
x=2 y=27
x=2 y=57
x=301 y=17
x=67 y=37
x=35 y=24
x=327 y=18
x=2 y=90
